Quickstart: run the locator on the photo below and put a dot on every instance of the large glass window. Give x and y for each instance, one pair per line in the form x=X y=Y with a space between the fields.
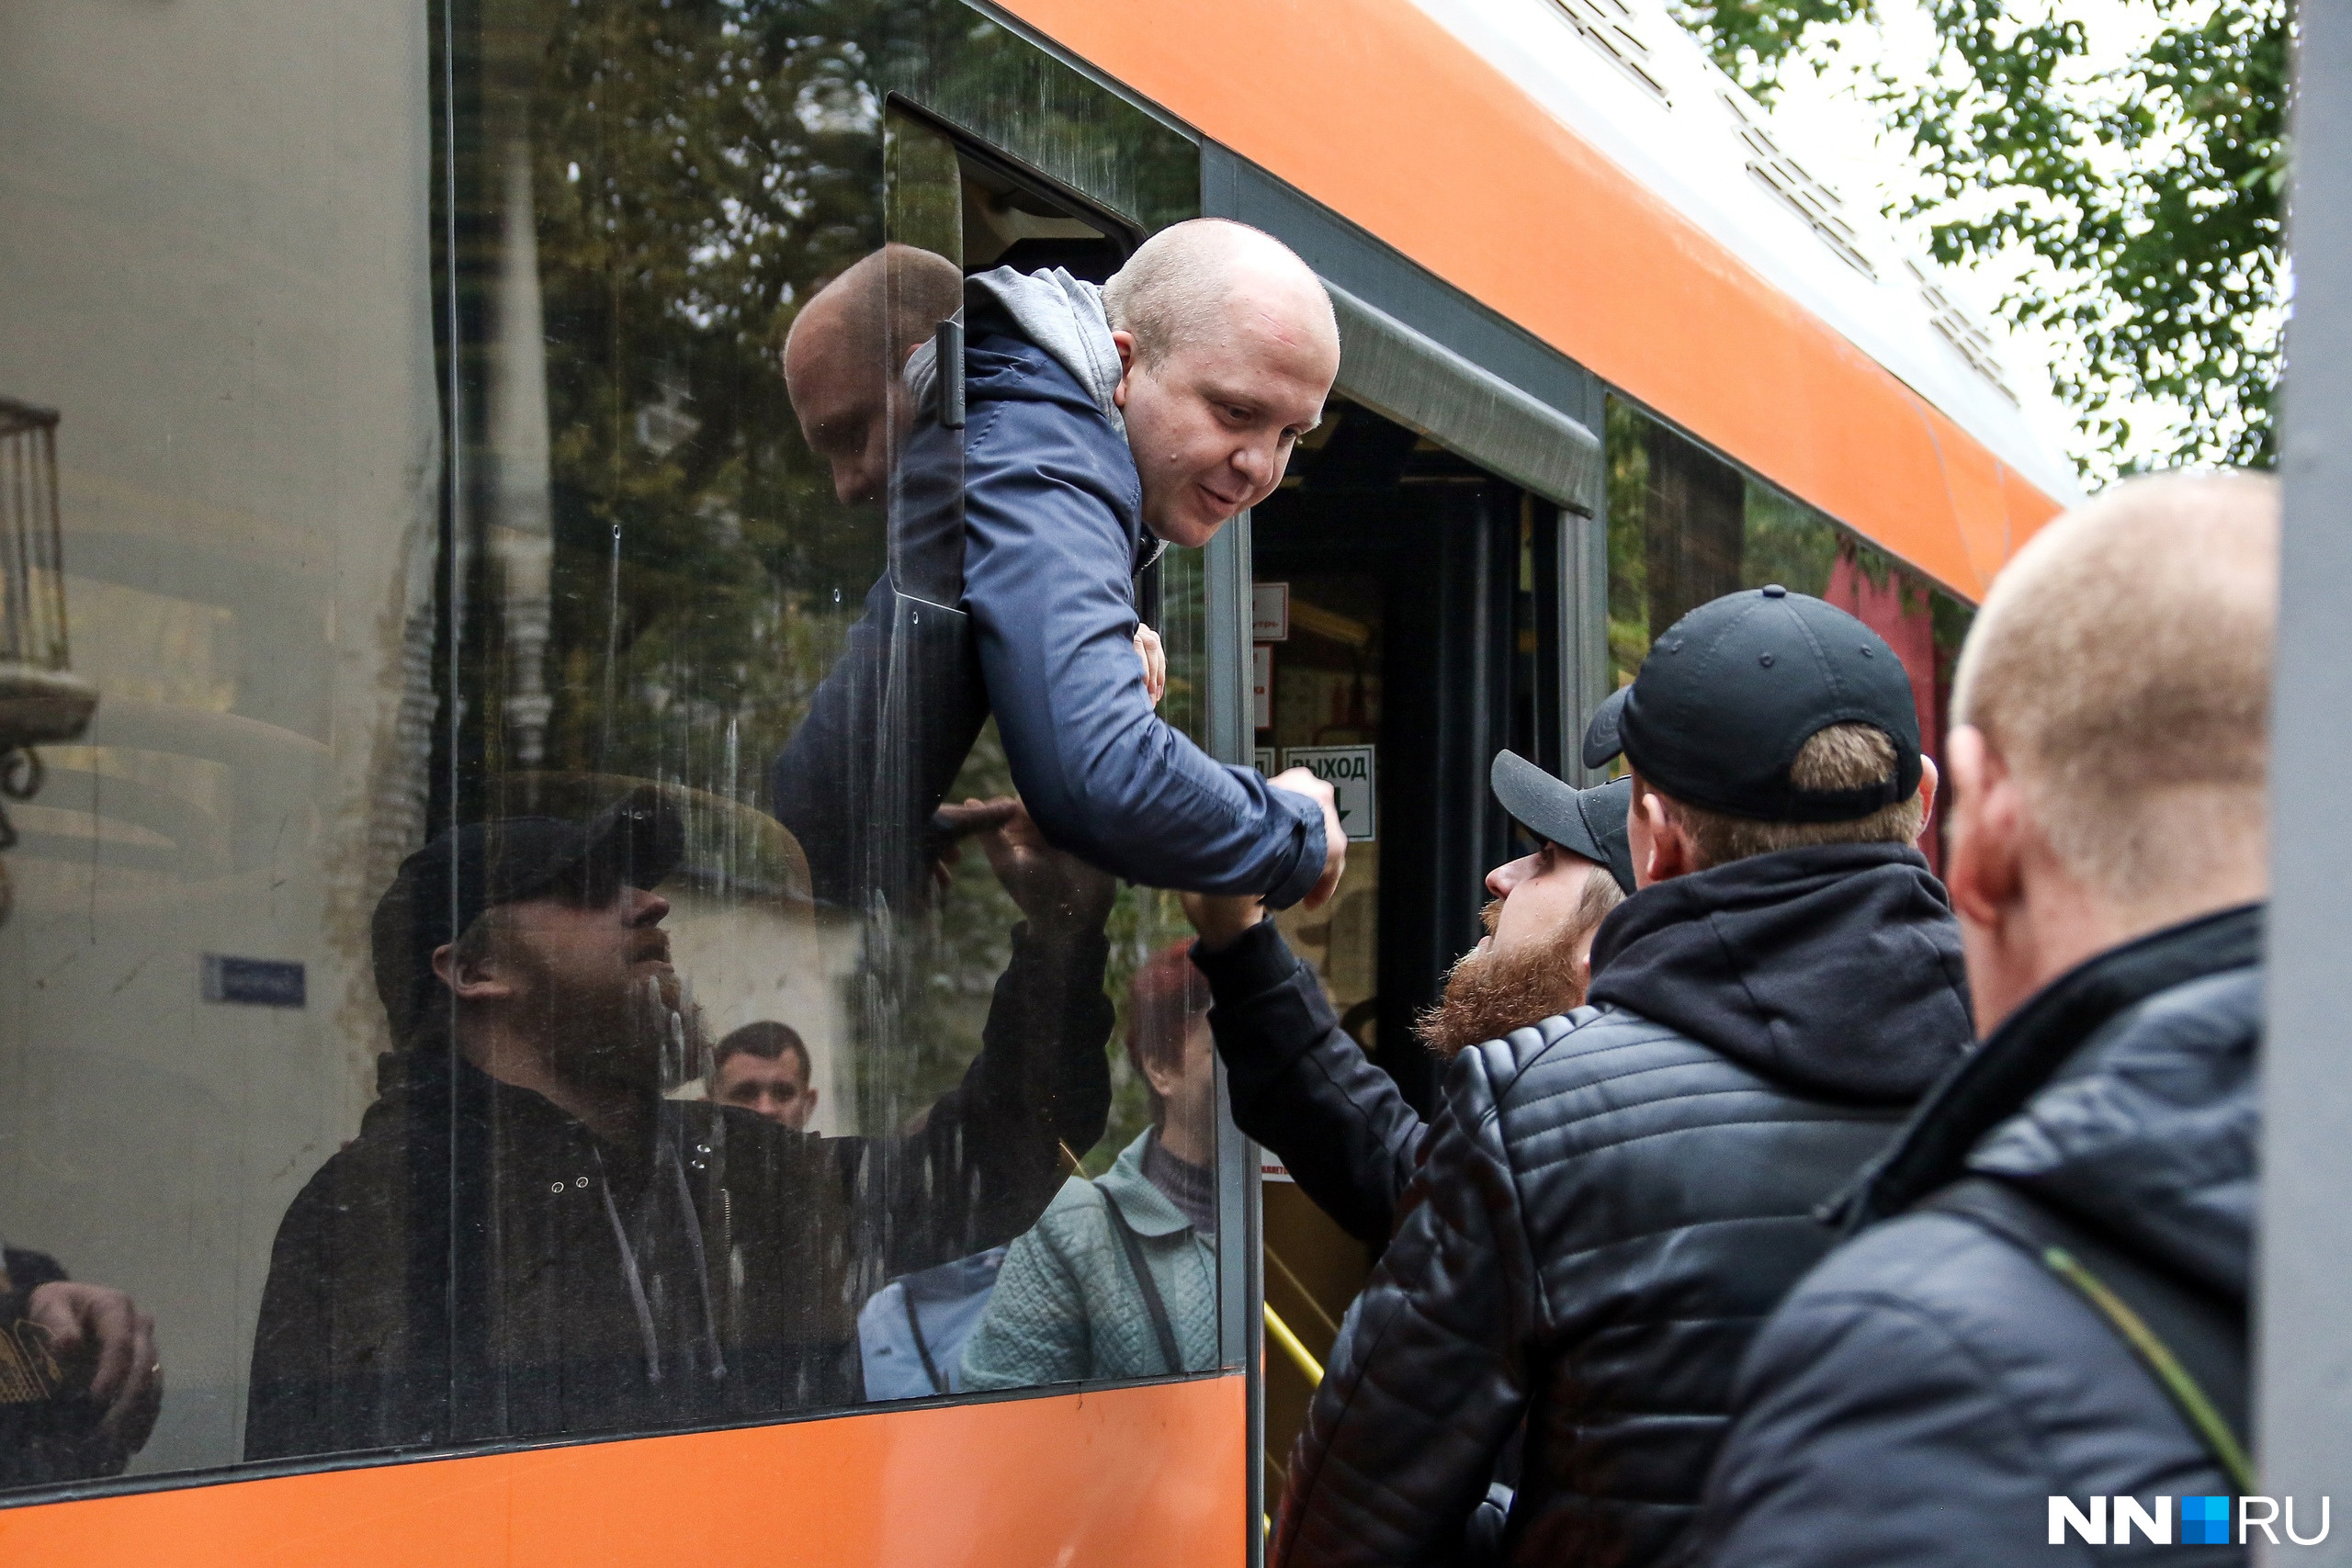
x=1685 y=526
x=510 y=957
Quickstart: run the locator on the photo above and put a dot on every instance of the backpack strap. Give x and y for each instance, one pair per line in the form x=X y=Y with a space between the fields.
x=2192 y=1342
x=1132 y=1244
x=922 y=1346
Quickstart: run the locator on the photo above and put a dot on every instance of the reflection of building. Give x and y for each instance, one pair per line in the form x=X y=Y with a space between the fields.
x=522 y=516
x=39 y=700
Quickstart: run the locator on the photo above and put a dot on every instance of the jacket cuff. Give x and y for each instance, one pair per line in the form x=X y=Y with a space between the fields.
x=1253 y=962
x=1267 y=1009
x=1307 y=869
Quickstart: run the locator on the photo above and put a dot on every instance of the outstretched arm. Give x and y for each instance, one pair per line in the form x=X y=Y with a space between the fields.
x=990 y=1154
x=1300 y=1086
x=1046 y=580
x=1403 y=1437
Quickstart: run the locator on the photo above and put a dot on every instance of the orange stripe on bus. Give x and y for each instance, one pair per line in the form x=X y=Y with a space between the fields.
x=1149 y=1477
x=1374 y=109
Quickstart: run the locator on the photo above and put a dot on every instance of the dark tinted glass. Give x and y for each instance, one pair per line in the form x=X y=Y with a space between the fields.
x=1685 y=526
x=494 y=967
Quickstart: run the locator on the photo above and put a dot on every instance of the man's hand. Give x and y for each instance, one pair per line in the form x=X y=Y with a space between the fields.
x=106 y=1347
x=1302 y=781
x=1058 y=893
x=1221 y=918
x=1155 y=662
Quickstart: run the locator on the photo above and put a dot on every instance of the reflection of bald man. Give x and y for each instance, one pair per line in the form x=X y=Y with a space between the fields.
x=843 y=356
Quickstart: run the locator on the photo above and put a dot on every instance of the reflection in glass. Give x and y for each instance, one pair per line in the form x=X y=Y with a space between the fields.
x=460 y=517
x=1119 y=1279
x=528 y=1239
x=1685 y=526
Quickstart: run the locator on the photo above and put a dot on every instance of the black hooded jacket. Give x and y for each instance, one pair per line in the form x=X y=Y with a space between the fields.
x=1609 y=1203
x=477 y=1264
x=1926 y=1391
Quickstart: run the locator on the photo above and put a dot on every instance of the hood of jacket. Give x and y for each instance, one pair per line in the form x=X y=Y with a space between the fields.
x=1061 y=314
x=2125 y=1092
x=1836 y=969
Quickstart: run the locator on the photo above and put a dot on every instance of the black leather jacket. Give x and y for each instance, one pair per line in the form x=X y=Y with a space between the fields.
x=1607 y=1204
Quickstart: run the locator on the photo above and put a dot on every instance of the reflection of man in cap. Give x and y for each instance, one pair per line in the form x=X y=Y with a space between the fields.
x=1300 y=1084
x=526 y=1238
x=1609 y=1202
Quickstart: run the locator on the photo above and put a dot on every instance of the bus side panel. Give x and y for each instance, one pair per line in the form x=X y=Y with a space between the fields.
x=1373 y=109
x=1131 y=1477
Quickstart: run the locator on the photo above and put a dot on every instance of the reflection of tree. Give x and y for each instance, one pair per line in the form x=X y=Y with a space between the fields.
x=696 y=170
x=701 y=170
x=1780 y=539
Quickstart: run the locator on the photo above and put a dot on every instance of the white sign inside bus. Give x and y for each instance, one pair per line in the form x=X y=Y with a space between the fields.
x=1349 y=770
x=1270 y=611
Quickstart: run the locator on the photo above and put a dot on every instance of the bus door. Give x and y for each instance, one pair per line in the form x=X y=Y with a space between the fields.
x=1408 y=622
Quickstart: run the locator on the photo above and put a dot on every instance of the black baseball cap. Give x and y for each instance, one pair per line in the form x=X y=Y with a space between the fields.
x=1588 y=822
x=443 y=887
x=1734 y=690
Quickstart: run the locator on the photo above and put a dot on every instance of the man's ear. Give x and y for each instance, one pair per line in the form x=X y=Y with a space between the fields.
x=1929 y=779
x=1670 y=847
x=1125 y=343
x=482 y=979
x=1983 y=835
x=1166 y=1082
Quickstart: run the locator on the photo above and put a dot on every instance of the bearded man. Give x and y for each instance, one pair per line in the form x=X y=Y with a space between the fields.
x=1607 y=1202
x=1303 y=1087
x=527 y=1239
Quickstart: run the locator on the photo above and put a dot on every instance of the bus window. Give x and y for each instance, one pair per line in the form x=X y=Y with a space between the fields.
x=537 y=941
x=1685 y=526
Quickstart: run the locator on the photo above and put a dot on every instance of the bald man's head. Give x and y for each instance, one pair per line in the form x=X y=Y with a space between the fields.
x=1230 y=348
x=845 y=352
x=2120 y=671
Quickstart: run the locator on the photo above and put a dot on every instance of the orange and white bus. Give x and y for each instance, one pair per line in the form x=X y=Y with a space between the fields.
x=402 y=383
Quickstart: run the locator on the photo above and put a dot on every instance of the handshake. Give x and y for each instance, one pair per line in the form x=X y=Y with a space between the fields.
x=1221 y=918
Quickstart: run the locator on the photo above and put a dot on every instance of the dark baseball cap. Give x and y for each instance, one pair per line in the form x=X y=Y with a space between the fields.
x=1734 y=690
x=1588 y=822
x=443 y=887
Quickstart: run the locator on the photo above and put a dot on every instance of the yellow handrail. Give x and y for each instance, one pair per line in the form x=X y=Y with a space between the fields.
x=1300 y=1356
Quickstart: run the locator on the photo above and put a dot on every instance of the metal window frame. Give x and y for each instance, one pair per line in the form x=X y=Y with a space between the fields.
x=2303 y=1341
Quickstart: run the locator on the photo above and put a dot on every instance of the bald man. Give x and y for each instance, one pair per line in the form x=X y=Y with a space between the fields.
x=1935 y=1390
x=1103 y=426
x=845 y=352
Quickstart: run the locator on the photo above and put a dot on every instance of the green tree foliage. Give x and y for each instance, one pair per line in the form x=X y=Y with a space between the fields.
x=698 y=171
x=2154 y=190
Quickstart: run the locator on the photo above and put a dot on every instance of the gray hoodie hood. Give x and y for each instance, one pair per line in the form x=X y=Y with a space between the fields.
x=1061 y=314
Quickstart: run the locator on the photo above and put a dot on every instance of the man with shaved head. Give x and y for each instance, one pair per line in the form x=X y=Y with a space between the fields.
x=1104 y=425
x=2073 y=1206
x=1100 y=426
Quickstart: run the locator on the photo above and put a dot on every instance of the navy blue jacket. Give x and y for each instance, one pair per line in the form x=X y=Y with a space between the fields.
x=1053 y=539
x=1926 y=1389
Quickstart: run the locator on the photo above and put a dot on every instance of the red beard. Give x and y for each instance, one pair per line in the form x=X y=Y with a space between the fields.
x=1488 y=996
